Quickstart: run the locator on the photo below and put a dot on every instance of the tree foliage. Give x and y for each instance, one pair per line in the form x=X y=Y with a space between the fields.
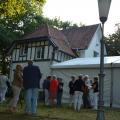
x=3 y=43
x=10 y=8
x=113 y=43
x=56 y=22
x=19 y=17
x=14 y=15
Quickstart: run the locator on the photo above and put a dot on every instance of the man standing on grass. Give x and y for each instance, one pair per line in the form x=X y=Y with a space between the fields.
x=59 y=92
x=71 y=90
x=78 y=88
x=96 y=92
x=46 y=87
x=31 y=81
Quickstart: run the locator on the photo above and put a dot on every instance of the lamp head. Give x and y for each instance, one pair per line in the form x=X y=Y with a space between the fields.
x=104 y=6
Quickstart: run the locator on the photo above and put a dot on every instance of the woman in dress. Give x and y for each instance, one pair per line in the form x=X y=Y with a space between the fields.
x=17 y=84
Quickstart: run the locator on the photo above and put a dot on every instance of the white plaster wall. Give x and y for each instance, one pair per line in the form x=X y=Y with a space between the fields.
x=46 y=52
x=17 y=54
x=95 y=44
x=13 y=55
x=56 y=54
x=33 y=53
x=50 y=51
x=28 y=54
x=82 y=53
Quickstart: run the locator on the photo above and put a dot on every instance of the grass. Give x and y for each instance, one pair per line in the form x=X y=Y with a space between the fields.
x=53 y=113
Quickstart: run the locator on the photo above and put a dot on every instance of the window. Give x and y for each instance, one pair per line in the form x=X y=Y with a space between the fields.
x=40 y=52
x=96 y=54
x=46 y=42
x=23 y=49
x=78 y=53
x=97 y=44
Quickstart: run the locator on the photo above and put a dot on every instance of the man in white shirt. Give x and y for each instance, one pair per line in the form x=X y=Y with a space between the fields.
x=88 y=83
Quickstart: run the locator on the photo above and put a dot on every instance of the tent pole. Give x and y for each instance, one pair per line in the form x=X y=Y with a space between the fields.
x=111 y=91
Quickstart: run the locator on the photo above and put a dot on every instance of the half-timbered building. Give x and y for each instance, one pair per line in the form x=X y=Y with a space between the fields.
x=48 y=45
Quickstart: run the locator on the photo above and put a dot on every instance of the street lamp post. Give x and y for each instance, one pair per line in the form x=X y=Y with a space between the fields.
x=104 y=6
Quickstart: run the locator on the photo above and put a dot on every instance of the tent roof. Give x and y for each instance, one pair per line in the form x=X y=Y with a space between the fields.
x=85 y=62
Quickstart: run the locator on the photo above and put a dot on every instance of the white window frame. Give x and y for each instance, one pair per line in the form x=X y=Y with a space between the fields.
x=23 y=50
x=40 y=52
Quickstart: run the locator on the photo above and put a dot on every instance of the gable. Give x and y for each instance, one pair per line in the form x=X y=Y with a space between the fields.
x=64 y=40
x=80 y=38
x=58 y=39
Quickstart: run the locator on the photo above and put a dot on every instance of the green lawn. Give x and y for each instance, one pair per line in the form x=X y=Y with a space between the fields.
x=53 y=113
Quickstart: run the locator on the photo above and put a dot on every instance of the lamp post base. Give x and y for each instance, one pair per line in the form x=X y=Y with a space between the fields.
x=100 y=114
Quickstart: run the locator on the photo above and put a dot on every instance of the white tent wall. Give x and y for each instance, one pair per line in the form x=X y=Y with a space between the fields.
x=90 y=66
x=65 y=73
x=116 y=87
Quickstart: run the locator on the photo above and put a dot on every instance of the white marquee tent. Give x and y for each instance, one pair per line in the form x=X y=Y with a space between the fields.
x=90 y=66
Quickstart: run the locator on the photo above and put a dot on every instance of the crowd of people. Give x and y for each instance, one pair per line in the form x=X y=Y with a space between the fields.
x=81 y=90
x=27 y=78
x=53 y=90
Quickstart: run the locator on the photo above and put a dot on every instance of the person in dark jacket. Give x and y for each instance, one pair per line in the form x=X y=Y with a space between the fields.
x=71 y=90
x=59 y=92
x=31 y=83
x=96 y=91
x=46 y=87
x=78 y=88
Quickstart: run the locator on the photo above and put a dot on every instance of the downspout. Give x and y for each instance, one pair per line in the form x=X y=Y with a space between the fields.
x=111 y=90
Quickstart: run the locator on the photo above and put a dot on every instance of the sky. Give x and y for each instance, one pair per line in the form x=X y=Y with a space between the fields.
x=82 y=11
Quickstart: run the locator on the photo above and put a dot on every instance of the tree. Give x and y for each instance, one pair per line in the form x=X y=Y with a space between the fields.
x=19 y=17
x=56 y=22
x=113 y=43
x=10 y=8
x=4 y=42
x=14 y=15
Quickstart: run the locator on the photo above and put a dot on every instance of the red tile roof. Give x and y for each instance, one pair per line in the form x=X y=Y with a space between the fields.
x=39 y=32
x=80 y=37
x=60 y=40
x=67 y=39
x=56 y=36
